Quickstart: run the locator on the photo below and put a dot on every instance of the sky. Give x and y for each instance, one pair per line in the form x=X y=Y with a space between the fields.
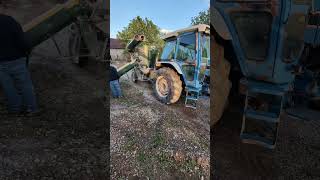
x=168 y=15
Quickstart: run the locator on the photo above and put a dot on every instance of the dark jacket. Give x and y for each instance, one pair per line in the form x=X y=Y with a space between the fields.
x=13 y=44
x=113 y=74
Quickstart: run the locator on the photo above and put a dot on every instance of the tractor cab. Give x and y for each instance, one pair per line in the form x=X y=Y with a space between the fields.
x=268 y=40
x=186 y=53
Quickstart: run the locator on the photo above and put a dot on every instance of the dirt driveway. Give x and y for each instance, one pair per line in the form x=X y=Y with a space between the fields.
x=150 y=140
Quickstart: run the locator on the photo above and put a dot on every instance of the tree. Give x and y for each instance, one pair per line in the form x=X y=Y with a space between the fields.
x=202 y=18
x=141 y=26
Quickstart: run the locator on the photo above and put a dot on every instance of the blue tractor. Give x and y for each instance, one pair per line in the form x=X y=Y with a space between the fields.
x=259 y=47
x=183 y=66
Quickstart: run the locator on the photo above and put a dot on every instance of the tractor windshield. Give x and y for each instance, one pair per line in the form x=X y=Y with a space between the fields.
x=169 y=50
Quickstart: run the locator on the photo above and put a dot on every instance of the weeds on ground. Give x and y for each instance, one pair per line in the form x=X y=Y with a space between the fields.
x=158 y=140
x=165 y=160
x=130 y=145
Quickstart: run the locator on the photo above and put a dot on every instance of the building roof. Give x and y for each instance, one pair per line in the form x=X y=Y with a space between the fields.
x=200 y=28
x=116 y=44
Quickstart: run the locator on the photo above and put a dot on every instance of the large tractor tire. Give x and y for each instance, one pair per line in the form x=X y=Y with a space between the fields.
x=220 y=83
x=167 y=86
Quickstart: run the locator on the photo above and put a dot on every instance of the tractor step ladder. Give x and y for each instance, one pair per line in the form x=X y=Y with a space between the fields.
x=261 y=116
x=192 y=96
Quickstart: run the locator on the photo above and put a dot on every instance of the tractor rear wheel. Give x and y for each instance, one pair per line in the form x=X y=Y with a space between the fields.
x=167 y=86
x=220 y=83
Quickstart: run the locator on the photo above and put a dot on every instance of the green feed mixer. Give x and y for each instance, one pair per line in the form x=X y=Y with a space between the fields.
x=88 y=24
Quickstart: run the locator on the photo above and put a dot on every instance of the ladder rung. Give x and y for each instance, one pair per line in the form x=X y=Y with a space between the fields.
x=266 y=91
x=265 y=116
x=258 y=140
x=190 y=106
x=192 y=98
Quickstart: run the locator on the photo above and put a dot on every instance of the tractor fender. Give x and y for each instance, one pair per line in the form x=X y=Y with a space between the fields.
x=219 y=24
x=174 y=64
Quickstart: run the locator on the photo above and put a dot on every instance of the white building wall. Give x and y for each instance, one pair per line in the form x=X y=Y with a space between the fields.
x=117 y=54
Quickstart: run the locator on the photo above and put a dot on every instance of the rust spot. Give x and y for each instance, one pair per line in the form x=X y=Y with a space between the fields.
x=262 y=78
x=243 y=88
x=274 y=7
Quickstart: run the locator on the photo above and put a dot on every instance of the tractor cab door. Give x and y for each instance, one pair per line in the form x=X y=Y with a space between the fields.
x=186 y=56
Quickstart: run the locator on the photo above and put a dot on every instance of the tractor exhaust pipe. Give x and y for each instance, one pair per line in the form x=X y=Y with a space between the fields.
x=135 y=42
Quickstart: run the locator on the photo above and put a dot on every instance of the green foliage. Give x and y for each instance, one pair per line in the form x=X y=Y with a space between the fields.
x=142 y=157
x=158 y=140
x=142 y=26
x=202 y=18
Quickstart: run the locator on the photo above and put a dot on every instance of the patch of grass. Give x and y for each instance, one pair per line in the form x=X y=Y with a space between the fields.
x=145 y=161
x=130 y=145
x=158 y=140
x=142 y=157
x=203 y=144
x=165 y=160
x=189 y=165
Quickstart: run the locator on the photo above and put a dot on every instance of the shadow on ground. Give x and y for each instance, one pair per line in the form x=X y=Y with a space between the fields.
x=295 y=156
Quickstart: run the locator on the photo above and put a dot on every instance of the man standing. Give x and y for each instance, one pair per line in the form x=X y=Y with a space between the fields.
x=14 y=76
x=114 y=82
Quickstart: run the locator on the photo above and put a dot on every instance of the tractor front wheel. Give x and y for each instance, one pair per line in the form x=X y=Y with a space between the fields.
x=167 y=86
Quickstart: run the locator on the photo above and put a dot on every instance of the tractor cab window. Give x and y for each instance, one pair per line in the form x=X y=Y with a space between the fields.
x=187 y=47
x=169 y=50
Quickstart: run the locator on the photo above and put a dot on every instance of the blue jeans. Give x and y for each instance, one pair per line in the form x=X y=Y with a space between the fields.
x=115 y=88
x=17 y=85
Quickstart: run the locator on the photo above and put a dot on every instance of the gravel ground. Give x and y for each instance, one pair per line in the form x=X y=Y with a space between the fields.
x=150 y=140
x=296 y=156
x=69 y=138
